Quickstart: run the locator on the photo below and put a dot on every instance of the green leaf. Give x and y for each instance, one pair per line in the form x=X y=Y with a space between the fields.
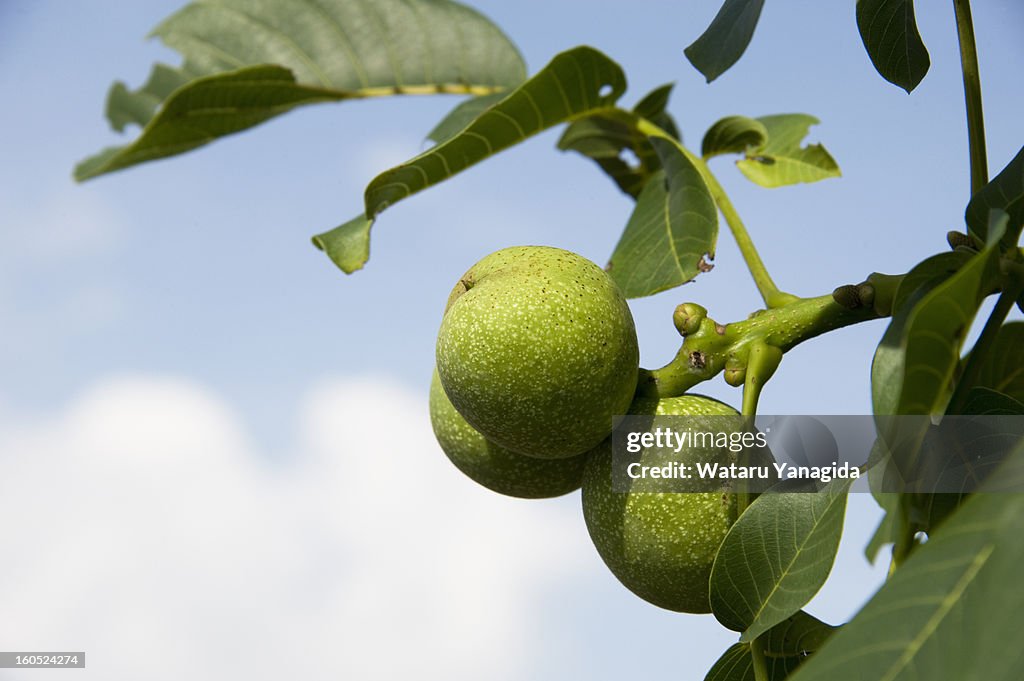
x=735 y=664
x=800 y=634
x=726 y=39
x=1004 y=192
x=672 y=232
x=889 y=31
x=884 y=534
x=1003 y=366
x=946 y=612
x=927 y=273
x=246 y=62
x=462 y=115
x=654 y=107
x=988 y=402
x=782 y=161
x=1009 y=477
x=347 y=245
x=920 y=351
x=576 y=83
x=887 y=365
x=611 y=139
x=733 y=135
x=786 y=646
x=125 y=106
x=888 y=361
x=776 y=557
x=206 y=109
x=880 y=476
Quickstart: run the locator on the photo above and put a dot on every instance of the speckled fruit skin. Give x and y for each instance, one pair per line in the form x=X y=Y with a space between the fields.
x=537 y=350
x=494 y=467
x=660 y=546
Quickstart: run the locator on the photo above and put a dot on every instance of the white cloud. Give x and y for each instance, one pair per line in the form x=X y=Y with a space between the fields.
x=144 y=527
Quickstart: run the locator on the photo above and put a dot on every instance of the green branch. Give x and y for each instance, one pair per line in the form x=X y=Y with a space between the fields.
x=972 y=94
x=710 y=347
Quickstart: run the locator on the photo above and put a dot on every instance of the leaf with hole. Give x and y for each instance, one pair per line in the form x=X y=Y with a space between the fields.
x=781 y=160
x=888 y=29
x=245 y=63
x=776 y=557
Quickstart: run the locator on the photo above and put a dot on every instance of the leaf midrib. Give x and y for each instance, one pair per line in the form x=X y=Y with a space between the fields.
x=786 y=571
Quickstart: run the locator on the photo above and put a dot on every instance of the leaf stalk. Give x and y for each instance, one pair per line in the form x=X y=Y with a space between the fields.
x=769 y=291
x=972 y=94
x=771 y=294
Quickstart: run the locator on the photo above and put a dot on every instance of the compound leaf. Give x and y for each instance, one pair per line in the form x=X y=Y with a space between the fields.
x=245 y=62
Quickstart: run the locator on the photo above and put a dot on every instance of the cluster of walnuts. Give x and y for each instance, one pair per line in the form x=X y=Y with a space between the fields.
x=536 y=354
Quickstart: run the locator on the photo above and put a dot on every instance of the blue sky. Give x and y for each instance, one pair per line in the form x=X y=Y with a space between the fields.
x=179 y=307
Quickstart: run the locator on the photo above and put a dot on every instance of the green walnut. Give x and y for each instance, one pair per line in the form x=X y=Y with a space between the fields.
x=494 y=467
x=537 y=350
x=660 y=545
